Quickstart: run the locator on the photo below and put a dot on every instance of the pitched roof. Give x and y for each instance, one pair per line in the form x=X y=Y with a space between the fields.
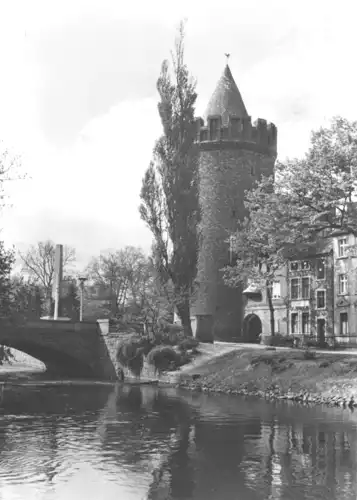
x=226 y=99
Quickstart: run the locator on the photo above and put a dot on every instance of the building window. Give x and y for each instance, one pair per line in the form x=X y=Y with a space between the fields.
x=305 y=288
x=294 y=288
x=305 y=323
x=342 y=247
x=294 y=266
x=343 y=323
x=342 y=284
x=294 y=323
x=305 y=264
x=276 y=290
x=320 y=269
x=321 y=299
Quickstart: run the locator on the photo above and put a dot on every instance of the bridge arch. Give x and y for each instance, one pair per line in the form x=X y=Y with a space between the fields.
x=57 y=362
x=68 y=349
x=252 y=328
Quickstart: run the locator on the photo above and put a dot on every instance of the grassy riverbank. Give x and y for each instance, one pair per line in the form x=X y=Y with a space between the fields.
x=316 y=377
x=305 y=376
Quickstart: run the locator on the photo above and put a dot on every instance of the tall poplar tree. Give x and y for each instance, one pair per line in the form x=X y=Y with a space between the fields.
x=169 y=193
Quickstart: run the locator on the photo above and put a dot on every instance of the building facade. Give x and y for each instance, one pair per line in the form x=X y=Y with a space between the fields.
x=234 y=153
x=310 y=295
x=257 y=314
x=345 y=288
x=314 y=297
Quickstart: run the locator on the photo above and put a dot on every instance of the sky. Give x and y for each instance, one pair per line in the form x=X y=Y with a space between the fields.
x=78 y=99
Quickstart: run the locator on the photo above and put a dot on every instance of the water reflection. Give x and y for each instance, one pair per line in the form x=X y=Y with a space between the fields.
x=142 y=442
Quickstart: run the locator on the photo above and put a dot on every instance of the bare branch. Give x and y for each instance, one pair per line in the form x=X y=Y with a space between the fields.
x=39 y=262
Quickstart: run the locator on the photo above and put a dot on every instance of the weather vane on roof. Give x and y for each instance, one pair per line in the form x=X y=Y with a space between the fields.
x=227 y=56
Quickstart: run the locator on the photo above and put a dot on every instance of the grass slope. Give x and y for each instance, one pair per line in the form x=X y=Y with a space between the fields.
x=326 y=375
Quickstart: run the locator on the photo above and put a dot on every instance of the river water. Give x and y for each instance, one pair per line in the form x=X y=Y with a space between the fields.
x=131 y=442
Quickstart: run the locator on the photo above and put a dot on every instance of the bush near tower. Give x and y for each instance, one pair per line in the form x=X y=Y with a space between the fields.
x=305 y=201
x=169 y=193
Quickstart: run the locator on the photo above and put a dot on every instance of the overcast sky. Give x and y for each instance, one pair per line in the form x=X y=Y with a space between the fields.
x=78 y=97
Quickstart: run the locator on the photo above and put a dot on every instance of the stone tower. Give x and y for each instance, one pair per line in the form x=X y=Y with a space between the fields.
x=233 y=154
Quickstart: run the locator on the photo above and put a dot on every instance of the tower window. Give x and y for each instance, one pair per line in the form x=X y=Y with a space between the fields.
x=234 y=214
x=252 y=170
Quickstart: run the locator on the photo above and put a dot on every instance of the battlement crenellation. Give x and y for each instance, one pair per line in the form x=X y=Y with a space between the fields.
x=260 y=132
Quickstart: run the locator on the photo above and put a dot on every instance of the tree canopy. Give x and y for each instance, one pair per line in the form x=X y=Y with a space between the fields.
x=318 y=190
x=122 y=274
x=38 y=262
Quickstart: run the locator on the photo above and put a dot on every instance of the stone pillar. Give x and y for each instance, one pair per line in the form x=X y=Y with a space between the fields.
x=57 y=282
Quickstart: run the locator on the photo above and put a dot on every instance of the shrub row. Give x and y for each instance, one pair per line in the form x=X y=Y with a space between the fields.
x=167 y=350
x=279 y=340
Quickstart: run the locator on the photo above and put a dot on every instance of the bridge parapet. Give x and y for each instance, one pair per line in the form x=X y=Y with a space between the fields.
x=77 y=326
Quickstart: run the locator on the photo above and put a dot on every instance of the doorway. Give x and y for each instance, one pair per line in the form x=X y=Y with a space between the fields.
x=321 y=327
x=252 y=328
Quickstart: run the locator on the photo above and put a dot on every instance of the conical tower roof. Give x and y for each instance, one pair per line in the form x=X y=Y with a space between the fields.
x=226 y=99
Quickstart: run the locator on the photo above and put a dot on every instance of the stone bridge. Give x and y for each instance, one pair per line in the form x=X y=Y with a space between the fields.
x=67 y=348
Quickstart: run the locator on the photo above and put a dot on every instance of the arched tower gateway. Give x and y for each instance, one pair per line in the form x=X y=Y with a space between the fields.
x=233 y=154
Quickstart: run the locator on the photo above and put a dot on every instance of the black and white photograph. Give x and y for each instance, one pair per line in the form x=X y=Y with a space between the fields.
x=178 y=250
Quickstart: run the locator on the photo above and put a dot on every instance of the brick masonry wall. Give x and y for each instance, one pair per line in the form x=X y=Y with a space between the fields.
x=224 y=176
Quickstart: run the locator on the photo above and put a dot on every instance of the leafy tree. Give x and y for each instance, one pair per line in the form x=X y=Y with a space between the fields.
x=39 y=264
x=122 y=274
x=7 y=259
x=9 y=171
x=259 y=246
x=319 y=188
x=169 y=193
x=27 y=298
x=70 y=303
x=152 y=299
x=306 y=200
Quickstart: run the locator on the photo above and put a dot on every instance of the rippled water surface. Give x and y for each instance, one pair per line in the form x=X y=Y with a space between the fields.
x=139 y=443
